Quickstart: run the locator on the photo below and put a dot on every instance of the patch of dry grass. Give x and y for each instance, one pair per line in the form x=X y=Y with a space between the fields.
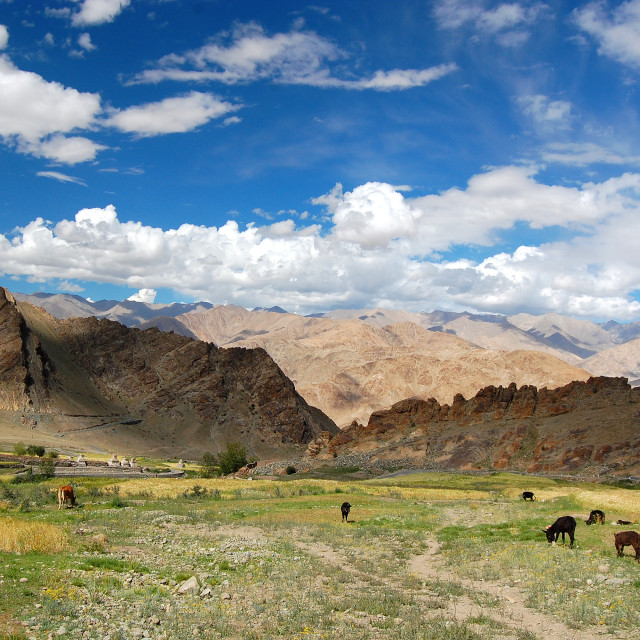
x=17 y=536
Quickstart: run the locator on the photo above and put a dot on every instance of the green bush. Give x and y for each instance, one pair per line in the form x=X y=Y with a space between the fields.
x=47 y=467
x=209 y=465
x=35 y=450
x=19 y=449
x=233 y=458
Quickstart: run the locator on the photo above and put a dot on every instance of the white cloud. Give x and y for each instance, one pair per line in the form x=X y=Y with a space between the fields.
x=616 y=30
x=394 y=80
x=583 y=154
x=381 y=248
x=545 y=111
x=84 y=40
x=507 y=21
x=144 y=295
x=4 y=36
x=172 y=115
x=62 y=149
x=297 y=57
x=98 y=11
x=32 y=108
x=61 y=177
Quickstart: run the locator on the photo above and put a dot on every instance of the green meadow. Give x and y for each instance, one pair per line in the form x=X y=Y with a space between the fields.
x=423 y=556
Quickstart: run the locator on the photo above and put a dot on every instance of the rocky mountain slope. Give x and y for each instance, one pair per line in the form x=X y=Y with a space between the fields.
x=587 y=427
x=97 y=384
x=350 y=368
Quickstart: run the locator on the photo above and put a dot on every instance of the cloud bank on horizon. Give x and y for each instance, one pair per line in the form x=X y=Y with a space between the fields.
x=490 y=151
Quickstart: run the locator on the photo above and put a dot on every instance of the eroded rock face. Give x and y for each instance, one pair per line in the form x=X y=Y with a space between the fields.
x=174 y=386
x=583 y=425
x=13 y=369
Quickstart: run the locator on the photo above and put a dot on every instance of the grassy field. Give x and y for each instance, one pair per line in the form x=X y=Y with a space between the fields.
x=424 y=556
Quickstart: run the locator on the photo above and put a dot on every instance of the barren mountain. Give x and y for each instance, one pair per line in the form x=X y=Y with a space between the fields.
x=588 y=427
x=349 y=371
x=621 y=360
x=97 y=384
x=349 y=368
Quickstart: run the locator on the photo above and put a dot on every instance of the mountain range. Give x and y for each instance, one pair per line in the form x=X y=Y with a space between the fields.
x=350 y=363
x=101 y=386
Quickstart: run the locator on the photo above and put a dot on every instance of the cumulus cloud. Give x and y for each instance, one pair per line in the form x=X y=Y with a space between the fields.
x=144 y=295
x=34 y=115
x=380 y=248
x=172 y=115
x=31 y=107
x=616 y=30
x=297 y=57
x=93 y=12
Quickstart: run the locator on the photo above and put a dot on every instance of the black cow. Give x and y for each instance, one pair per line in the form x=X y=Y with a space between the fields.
x=345 y=508
x=564 y=524
x=626 y=538
x=596 y=517
x=528 y=495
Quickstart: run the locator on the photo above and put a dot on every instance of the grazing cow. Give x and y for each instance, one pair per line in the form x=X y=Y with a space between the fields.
x=528 y=495
x=345 y=508
x=65 y=494
x=564 y=524
x=596 y=517
x=627 y=538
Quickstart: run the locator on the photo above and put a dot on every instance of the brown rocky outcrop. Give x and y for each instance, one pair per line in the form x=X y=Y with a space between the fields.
x=96 y=380
x=587 y=426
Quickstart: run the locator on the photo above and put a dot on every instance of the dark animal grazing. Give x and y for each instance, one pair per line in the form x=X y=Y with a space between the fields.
x=596 y=517
x=65 y=494
x=528 y=495
x=252 y=465
x=627 y=538
x=623 y=522
x=564 y=524
x=345 y=508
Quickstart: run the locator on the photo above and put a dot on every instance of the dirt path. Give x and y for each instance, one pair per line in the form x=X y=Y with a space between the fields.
x=513 y=612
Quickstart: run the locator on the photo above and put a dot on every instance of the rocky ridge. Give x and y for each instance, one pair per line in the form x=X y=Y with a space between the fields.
x=98 y=382
x=588 y=427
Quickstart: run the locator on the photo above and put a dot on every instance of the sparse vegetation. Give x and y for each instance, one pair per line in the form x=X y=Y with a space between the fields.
x=425 y=556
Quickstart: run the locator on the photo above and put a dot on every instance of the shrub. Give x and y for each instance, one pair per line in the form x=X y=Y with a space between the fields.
x=233 y=458
x=35 y=450
x=19 y=449
x=290 y=470
x=209 y=466
x=47 y=467
x=195 y=492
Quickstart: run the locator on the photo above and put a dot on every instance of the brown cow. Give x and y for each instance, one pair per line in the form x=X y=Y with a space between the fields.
x=628 y=538
x=65 y=494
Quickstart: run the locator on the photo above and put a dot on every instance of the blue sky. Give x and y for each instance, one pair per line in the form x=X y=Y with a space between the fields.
x=458 y=155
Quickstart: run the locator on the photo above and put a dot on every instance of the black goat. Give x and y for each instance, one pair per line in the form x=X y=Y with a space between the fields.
x=596 y=517
x=528 y=495
x=564 y=524
x=345 y=508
